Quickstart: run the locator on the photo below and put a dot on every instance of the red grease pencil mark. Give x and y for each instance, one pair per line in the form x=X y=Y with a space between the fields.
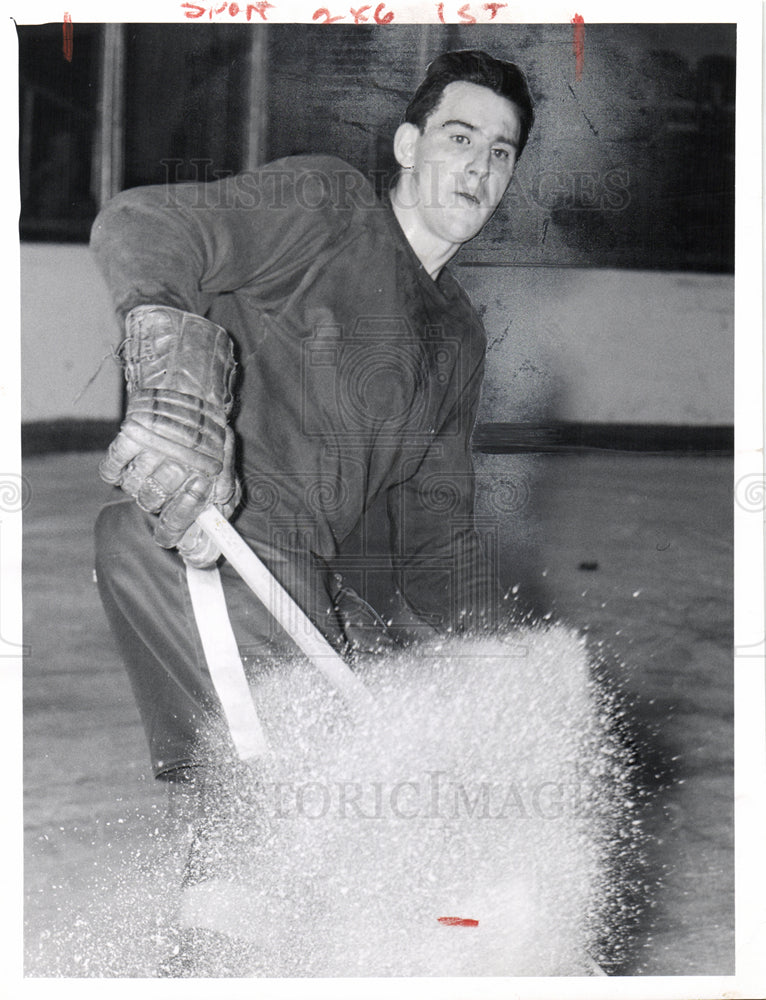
x=578 y=44
x=68 y=39
x=458 y=921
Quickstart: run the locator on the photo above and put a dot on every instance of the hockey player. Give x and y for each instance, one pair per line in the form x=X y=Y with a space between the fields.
x=296 y=351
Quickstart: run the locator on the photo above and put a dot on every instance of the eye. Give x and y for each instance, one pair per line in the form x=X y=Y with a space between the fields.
x=501 y=154
x=460 y=138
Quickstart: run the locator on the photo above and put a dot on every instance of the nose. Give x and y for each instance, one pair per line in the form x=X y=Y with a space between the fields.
x=478 y=165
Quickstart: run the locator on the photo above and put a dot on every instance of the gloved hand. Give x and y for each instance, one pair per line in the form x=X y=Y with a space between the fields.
x=364 y=630
x=407 y=626
x=175 y=450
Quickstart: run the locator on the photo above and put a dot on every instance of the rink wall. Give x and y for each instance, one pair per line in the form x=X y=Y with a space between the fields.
x=572 y=345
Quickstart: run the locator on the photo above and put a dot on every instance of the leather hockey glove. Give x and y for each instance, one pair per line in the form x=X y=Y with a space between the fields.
x=175 y=450
x=364 y=631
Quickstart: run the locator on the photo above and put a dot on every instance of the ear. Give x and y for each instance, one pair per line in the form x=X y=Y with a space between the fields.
x=405 y=139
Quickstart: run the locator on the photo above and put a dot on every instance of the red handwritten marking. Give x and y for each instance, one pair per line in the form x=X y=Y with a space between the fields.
x=68 y=47
x=195 y=10
x=458 y=921
x=466 y=15
x=578 y=44
x=358 y=15
x=259 y=8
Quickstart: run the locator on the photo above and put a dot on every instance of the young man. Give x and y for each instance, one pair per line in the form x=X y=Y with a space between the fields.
x=359 y=365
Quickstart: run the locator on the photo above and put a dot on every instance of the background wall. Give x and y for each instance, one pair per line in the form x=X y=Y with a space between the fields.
x=605 y=279
x=564 y=343
x=67 y=328
x=632 y=165
x=605 y=345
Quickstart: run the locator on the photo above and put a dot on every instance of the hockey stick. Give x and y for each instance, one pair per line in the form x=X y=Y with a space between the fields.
x=224 y=662
x=283 y=608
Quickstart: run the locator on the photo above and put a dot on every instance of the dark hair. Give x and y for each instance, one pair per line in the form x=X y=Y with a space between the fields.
x=472 y=66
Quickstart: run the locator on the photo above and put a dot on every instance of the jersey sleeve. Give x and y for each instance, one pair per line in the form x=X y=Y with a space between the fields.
x=182 y=245
x=444 y=568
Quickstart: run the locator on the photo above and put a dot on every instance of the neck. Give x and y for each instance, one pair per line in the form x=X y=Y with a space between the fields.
x=432 y=252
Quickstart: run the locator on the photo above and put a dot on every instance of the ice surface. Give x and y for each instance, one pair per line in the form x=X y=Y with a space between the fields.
x=489 y=783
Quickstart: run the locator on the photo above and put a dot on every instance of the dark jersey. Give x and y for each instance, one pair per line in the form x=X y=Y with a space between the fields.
x=359 y=374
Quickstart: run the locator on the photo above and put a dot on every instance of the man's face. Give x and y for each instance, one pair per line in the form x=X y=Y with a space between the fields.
x=463 y=160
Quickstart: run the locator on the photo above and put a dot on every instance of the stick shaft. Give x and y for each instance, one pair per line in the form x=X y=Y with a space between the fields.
x=224 y=662
x=283 y=608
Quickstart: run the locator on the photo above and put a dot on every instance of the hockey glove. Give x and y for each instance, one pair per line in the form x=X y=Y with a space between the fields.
x=175 y=450
x=364 y=630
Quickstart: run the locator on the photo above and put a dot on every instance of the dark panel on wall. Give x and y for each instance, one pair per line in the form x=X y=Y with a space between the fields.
x=341 y=90
x=630 y=166
x=57 y=120
x=186 y=93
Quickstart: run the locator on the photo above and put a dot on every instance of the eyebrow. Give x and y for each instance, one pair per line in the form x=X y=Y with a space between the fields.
x=472 y=128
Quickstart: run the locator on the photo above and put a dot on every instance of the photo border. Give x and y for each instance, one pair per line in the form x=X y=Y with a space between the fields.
x=750 y=643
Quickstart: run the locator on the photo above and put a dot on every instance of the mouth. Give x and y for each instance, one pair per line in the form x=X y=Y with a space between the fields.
x=470 y=198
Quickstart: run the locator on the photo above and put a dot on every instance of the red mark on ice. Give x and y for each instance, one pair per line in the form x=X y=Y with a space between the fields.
x=578 y=44
x=458 y=921
x=68 y=40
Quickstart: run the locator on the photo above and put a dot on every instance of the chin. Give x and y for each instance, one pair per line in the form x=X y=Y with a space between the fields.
x=463 y=234
x=466 y=226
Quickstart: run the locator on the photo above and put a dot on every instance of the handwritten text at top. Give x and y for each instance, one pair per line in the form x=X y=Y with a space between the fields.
x=466 y=13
